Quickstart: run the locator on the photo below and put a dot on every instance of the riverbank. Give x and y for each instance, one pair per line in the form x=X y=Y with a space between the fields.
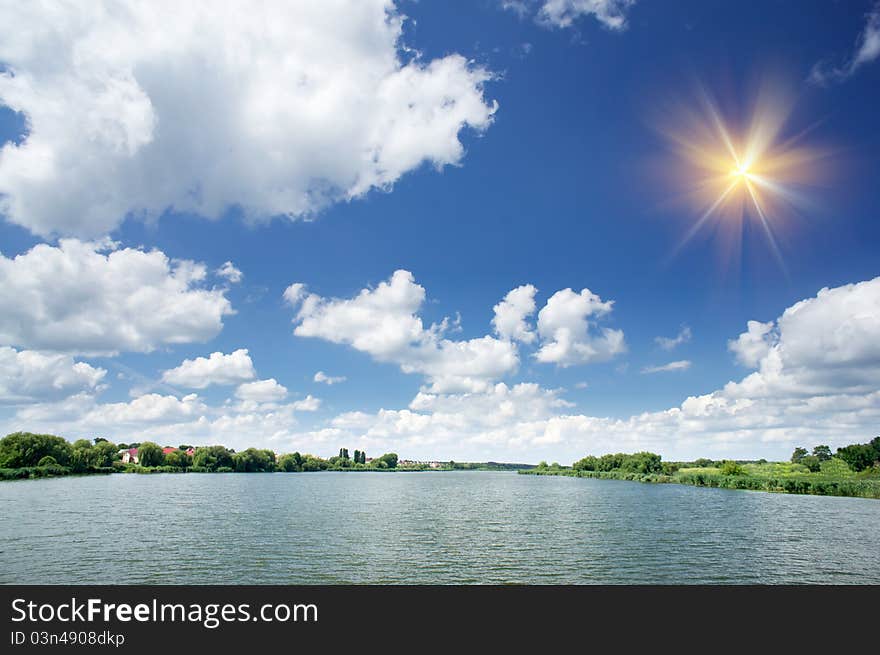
x=793 y=483
x=36 y=472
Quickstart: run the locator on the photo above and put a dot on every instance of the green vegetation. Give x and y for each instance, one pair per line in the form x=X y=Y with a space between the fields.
x=853 y=471
x=27 y=455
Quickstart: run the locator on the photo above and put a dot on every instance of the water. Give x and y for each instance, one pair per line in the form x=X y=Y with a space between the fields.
x=430 y=528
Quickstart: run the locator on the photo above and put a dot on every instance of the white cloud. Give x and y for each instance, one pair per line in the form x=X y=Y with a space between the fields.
x=670 y=343
x=274 y=109
x=230 y=272
x=77 y=297
x=511 y=313
x=569 y=337
x=261 y=391
x=817 y=381
x=27 y=376
x=307 y=404
x=753 y=345
x=680 y=365
x=166 y=419
x=323 y=378
x=563 y=13
x=383 y=323
x=867 y=50
x=217 y=368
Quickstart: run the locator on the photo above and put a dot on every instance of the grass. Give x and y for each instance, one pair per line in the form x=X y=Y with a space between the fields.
x=834 y=479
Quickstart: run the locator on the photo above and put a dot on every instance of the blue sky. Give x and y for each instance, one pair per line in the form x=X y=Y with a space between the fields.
x=553 y=189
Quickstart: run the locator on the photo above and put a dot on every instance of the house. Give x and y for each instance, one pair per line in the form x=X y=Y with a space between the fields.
x=190 y=451
x=129 y=456
x=168 y=449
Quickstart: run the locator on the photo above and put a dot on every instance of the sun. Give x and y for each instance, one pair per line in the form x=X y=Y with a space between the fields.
x=734 y=174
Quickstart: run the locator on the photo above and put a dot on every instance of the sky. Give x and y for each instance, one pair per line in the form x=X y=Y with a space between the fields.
x=451 y=230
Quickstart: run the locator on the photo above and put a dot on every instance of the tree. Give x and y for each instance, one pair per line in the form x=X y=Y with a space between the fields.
x=253 y=460
x=858 y=456
x=212 y=458
x=812 y=462
x=179 y=459
x=150 y=454
x=21 y=449
x=84 y=456
x=729 y=467
x=290 y=463
x=357 y=457
x=798 y=455
x=98 y=440
x=390 y=460
x=822 y=452
x=48 y=460
x=106 y=452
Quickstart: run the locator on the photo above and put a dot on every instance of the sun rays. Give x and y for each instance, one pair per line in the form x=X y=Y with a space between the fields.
x=737 y=175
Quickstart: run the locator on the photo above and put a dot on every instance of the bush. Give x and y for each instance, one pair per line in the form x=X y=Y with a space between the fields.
x=729 y=467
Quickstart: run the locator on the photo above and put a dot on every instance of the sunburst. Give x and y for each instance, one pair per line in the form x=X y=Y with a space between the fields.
x=733 y=174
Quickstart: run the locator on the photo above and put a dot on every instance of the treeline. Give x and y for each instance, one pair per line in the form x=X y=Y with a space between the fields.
x=859 y=456
x=28 y=455
x=853 y=471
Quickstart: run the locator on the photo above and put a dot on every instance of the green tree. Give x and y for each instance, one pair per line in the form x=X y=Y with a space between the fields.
x=812 y=462
x=48 y=460
x=212 y=458
x=291 y=462
x=179 y=459
x=390 y=460
x=798 y=455
x=858 y=456
x=150 y=454
x=105 y=453
x=21 y=449
x=253 y=460
x=822 y=452
x=729 y=467
x=98 y=440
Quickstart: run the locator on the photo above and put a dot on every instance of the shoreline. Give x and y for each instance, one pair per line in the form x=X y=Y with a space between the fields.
x=795 y=485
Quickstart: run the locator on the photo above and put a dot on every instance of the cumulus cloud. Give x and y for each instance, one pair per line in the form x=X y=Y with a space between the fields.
x=671 y=343
x=511 y=313
x=230 y=272
x=817 y=381
x=28 y=376
x=262 y=391
x=323 y=378
x=88 y=297
x=307 y=404
x=384 y=323
x=568 y=331
x=217 y=368
x=867 y=50
x=680 y=365
x=563 y=13
x=272 y=109
x=752 y=346
x=167 y=419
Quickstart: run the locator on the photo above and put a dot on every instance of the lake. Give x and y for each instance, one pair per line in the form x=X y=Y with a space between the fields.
x=430 y=528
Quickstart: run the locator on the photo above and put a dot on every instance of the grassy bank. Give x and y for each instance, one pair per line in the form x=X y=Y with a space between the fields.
x=778 y=477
